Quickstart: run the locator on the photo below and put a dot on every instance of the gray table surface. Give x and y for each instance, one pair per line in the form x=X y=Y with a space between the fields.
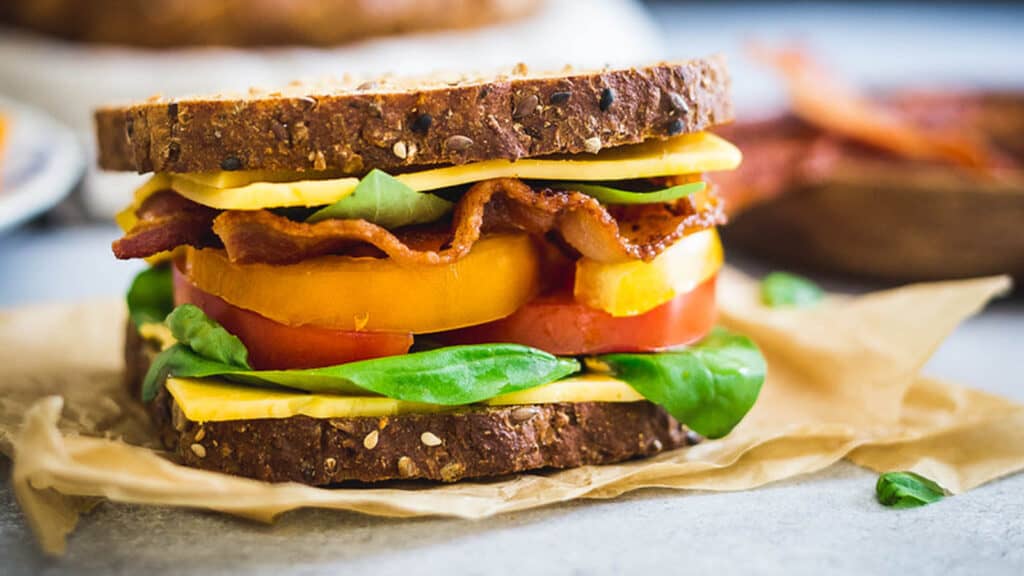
x=821 y=523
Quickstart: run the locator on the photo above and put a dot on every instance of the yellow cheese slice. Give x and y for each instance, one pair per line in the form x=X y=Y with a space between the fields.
x=212 y=400
x=687 y=154
x=239 y=178
x=582 y=388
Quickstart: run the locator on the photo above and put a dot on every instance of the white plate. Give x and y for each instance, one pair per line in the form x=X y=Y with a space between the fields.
x=40 y=164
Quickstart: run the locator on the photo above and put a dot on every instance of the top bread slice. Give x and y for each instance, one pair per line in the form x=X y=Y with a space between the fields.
x=392 y=124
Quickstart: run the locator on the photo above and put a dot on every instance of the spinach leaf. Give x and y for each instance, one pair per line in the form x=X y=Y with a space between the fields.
x=607 y=195
x=709 y=386
x=784 y=289
x=151 y=296
x=449 y=376
x=907 y=490
x=387 y=202
x=193 y=328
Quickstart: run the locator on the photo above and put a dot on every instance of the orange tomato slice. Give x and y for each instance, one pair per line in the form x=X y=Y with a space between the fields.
x=635 y=287
x=499 y=275
x=275 y=346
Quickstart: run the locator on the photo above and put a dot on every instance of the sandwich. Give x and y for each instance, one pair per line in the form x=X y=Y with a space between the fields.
x=432 y=279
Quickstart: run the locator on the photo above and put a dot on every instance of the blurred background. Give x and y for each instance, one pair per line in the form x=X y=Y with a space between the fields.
x=59 y=59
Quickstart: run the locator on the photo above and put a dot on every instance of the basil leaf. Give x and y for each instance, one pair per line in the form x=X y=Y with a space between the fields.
x=709 y=386
x=780 y=289
x=449 y=376
x=387 y=202
x=193 y=328
x=608 y=195
x=151 y=295
x=907 y=490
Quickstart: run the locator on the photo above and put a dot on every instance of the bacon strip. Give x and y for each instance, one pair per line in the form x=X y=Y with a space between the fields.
x=167 y=220
x=506 y=204
x=820 y=99
x=640 y=232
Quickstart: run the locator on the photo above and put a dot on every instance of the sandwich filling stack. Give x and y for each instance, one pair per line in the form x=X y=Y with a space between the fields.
x=432 y=278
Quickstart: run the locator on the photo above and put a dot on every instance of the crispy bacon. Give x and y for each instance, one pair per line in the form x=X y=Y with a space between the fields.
x=820 y=99
x=167 y=220
x=507 y=204
x=637 y=232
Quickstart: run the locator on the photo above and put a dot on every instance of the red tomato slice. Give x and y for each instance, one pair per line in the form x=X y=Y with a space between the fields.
x=560 y=325
x=275 y=346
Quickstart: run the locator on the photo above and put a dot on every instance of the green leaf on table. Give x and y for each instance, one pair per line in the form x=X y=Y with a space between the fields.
x=780 y=289
x=151 y=295
x=709 y=386
x=193 y=328
x=450 y=376
x=387 y=202
x=907 y=490
x=608 y=195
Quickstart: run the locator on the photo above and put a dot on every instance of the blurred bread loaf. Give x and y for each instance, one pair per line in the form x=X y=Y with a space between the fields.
x=169 y=23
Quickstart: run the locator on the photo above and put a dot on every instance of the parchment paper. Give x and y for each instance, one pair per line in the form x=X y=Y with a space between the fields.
x=843 y=383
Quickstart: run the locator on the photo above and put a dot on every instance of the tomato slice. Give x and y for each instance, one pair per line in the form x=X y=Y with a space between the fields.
x=499 y=274
x=276 y=346
x=635 y=287
x=558 y=324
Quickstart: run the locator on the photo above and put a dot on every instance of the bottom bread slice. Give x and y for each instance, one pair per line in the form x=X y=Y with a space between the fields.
x=471 y=442
x=446 y=447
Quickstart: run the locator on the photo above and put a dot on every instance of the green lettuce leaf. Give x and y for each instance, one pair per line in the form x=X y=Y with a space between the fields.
x=907 y=490
x=608 y=195
x=193 y=328
x=385 y=201
x=449 y=376
x=151 y=296
x=709 y=386
x=780 y=289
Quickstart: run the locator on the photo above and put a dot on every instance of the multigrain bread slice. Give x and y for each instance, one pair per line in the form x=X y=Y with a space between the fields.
x=393 y=124
x=169 y=23
x=471 y=442
x=446 y=447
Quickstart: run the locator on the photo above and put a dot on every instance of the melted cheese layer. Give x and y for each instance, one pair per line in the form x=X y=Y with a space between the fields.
x=687 y=154
x=212 y=400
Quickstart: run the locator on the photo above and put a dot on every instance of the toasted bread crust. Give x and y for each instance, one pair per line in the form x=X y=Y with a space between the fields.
x=163 y=23
x=394 y=125
x=472 y=442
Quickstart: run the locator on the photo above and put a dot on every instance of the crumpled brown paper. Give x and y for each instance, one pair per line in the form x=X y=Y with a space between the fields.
x=843 y=382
